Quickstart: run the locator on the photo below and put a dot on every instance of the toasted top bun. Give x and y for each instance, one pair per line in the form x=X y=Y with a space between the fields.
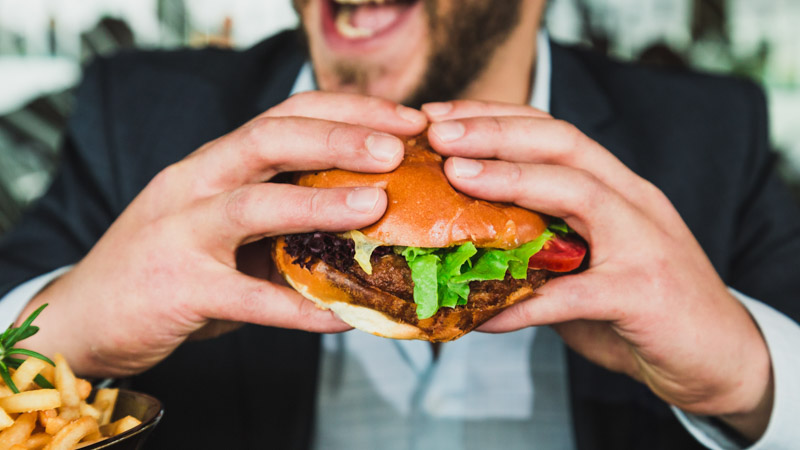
x=424 y=210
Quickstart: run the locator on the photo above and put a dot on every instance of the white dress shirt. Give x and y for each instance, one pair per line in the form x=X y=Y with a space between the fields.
x=460 y=389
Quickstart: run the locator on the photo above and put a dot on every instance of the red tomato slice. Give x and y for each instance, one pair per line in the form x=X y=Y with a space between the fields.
x=559 y=254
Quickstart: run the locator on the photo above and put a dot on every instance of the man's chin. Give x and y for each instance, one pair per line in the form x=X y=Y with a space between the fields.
x=387 y=62
x=385 y=80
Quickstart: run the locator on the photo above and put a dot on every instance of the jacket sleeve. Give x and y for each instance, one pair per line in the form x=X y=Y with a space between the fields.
x=61 y=227
x=766 y=245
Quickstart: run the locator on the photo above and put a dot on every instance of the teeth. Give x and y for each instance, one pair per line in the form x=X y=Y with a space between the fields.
x=347 y=30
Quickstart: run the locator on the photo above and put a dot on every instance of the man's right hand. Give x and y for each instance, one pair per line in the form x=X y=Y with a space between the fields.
x=166 y=269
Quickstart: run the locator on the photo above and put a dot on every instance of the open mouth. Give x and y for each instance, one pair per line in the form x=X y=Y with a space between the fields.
x=364 y=20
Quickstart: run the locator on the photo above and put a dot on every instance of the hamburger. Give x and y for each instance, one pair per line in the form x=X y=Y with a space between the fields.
x=436 y=265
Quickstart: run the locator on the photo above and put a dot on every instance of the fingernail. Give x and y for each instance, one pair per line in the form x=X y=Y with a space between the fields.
x=448 y=131
x=437 y=108
x=383 y=147
x=466 y=168
x=410 y=114
x=362 y=199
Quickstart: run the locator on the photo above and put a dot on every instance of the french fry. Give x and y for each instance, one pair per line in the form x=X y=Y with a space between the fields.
x=49 y=373
x=18 y=447
x=28 y=401
x=5 y=391
x=123 y=425
x=96 y=436
x=37 y=441
x=5 y=420
x=55 y=425
x=87 y=410
x=72 y=433
x=45 y=415
x=19 y=432
x=67 y=387
x=104 y=401
x=27 y=371
x=84 y=388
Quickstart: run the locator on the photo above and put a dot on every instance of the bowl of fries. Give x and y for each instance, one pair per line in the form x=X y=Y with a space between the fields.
x=43 y=405
x=71 y=414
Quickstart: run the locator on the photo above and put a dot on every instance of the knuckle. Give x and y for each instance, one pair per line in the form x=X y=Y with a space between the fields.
x=572 y=136
x=252 y=146
x=313 y=204
x=238 y=203
x=654 y=194
x=251 y=300
x=167 y=177
x=337 y=139
x=591 y=193
x=496 y=125
x=521 y=314
x=294 y=103
x=377 y=104
x=466 y=105
x=254 y=133
x=306 y=310
x=513 y=177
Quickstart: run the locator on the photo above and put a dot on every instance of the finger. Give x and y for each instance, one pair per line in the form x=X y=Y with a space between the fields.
x=371 y=112
x=260 y=149
x=579 y=312
x=590 y=207
x=255 y=211
x=530 y=140
x=548 y=141
x=564 y=299
x=458 y=109
x=245 y=299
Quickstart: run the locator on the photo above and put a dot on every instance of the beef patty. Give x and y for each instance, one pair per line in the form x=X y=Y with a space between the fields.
x=390 y=272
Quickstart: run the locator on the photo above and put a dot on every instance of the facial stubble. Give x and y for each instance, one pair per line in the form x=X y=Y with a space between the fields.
x=463 y=42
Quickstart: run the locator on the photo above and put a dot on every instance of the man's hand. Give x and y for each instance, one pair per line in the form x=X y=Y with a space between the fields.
x=650 y=305
x=167 y=267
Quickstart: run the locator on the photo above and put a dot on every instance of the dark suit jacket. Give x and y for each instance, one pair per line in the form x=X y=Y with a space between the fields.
x=701 y=139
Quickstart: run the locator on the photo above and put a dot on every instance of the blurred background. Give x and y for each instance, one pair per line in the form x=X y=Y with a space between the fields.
x=45 y=43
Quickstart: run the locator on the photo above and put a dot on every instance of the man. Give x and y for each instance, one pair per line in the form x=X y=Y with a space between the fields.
x=164 y=199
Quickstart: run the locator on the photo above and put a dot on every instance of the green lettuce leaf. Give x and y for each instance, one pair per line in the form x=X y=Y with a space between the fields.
x=454 y=263
x=442 y=276
x=559 y=226
x=423 y=272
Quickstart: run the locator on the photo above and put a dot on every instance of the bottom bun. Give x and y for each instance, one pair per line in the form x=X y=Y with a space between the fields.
x=383 y=314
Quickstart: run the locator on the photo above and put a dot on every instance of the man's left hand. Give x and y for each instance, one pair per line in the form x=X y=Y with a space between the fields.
x=650 y=305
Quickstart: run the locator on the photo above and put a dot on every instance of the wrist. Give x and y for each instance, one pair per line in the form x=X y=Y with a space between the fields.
x=751 y=424
x=742 y=395
x=58 y=330
x=752 y=401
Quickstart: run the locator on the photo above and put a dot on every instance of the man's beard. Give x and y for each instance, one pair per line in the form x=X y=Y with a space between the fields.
x=462 y=44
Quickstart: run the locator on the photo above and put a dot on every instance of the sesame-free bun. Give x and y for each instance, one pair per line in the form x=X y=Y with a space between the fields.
x=424 y=210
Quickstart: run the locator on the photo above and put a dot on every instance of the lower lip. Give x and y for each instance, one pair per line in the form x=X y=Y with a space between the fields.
x=341 y=43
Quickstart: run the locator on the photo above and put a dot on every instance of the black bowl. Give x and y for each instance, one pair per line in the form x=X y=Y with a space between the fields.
x=141 y=406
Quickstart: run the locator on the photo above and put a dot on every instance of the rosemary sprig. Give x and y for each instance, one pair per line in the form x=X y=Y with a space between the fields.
x=8 y=341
